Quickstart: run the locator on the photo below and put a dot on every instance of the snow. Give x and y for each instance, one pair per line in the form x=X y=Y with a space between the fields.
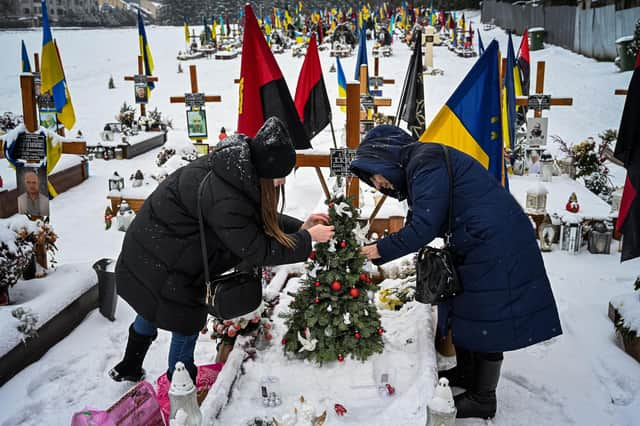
x=582 y=377
x=534 y=30
x=628 y=306
x=623 y=39
x=45 y=296
x=558 y=192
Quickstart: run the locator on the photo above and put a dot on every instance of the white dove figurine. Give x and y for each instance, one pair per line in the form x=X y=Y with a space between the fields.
x=308 y=344
x=343 y=209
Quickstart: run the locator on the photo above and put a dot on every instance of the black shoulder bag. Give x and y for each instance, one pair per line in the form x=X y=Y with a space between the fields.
x=437 y=280
x=233 y=294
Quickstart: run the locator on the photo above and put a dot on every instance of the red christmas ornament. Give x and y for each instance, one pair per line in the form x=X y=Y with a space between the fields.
x=340 y=358
x=340 y=410
x=312 y=256
x=380 y=331
x=331 y=205
x=343 y=244
x=284 y=341
x=317 y=283
x=354 y=292
x=336 y=286
x=358 y=335
x=317 y=300
x=364 y=277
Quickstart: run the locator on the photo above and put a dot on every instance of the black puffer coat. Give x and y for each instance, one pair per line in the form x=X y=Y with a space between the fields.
x=160 y=271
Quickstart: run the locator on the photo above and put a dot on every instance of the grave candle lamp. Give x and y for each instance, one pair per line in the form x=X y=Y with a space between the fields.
x=571 y=236
x=116 y=182
x=599 y=238
x=546 y=166
x=536 y=201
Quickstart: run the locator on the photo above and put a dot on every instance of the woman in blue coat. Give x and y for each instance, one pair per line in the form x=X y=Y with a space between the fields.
x=507 y=302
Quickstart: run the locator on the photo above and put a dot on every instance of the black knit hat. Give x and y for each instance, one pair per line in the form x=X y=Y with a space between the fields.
x=272 y=152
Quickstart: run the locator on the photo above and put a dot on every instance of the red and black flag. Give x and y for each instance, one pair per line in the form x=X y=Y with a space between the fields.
x=312 y=101
x=320 y=33
x=263 y=91
x=524 y=64
x=628 y=151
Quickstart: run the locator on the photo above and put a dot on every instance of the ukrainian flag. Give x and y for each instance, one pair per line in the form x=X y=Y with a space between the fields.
x=362 y=56
x=187 y=37
x=470 y=121
x=145 y=52
x=26 y=65
x=342 y=83
x=52 y=74
x=512 y=88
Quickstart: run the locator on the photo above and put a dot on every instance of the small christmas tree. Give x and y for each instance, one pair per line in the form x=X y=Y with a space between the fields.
x=634 y=48
x=332 y=315
x=112 y=85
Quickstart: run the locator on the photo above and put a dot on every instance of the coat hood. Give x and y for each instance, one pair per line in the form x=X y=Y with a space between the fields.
x=381 y=152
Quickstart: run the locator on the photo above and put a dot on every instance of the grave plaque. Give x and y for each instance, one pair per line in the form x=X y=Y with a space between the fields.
x=539 y=102
x=194 y=100
x=30 y=147
x=367 y=101
x=339 y=161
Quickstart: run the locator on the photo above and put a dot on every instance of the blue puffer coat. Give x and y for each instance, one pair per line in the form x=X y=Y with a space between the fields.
x=507 y=302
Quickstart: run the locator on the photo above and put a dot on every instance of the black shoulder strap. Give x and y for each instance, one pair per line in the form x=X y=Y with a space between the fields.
x=447 y=235
x=203 y=242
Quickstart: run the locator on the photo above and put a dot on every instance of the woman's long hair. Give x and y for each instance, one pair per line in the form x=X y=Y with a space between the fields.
x=270 y=195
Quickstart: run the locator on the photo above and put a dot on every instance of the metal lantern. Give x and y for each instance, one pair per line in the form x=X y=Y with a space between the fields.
x=137 y=178
x=599 y=238
x=546 y=166
x=125 y=216
x=116 y=182
x=536 y=201
x=182 y=396
x=546 y=235
x=571 y=237
x=616 y=199
x=119 y=153
x=441 y=410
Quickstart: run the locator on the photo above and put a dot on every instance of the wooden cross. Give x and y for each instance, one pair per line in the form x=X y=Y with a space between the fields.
x=622 y=92
x=194 y=89
x=375 y=101
x=376 y=80
x=30 y=119
x=538 y=101
x=143 y=110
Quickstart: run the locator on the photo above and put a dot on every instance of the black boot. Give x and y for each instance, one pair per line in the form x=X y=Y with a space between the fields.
x=462 y=375
x=130 y=368
x=480 y=401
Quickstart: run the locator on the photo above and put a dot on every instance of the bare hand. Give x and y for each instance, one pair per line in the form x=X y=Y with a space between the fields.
x=370 y=251
x=321 y=233
x=315 y=219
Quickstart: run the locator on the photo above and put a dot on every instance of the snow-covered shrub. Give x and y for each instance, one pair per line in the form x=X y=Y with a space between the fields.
x=28 y=322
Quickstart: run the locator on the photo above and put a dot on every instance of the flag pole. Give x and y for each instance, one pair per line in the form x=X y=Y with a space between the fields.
x=333 y=134
x=403 y=96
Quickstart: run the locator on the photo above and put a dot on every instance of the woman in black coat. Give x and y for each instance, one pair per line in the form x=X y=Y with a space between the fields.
x=507 y=302
x=160 y=270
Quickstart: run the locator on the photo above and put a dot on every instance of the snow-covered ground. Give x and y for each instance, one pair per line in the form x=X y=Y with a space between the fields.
x=582 y=377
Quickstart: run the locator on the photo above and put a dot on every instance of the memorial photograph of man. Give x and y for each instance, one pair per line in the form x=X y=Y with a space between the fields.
x=32 y=187
x=141 y=93
x=197 y=124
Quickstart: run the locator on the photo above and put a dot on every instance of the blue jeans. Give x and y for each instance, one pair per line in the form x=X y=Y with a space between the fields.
x=181 y=349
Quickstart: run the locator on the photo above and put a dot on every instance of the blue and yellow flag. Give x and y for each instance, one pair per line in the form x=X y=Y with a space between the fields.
x=362 y=56
x=187 y=37
x=512 y=88
x=145 y=52
x=342 y=83
x=26 y=65
x=470 y=120
x=52 y=74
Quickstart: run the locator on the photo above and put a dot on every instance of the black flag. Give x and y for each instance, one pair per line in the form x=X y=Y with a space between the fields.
x=412 y=100
x=628 y=151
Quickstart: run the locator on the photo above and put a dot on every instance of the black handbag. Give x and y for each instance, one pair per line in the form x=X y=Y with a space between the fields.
x=437 y=280
x=233 y=294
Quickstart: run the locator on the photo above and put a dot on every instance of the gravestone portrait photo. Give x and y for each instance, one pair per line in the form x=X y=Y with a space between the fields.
x=32 y=190
x=197 y=124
